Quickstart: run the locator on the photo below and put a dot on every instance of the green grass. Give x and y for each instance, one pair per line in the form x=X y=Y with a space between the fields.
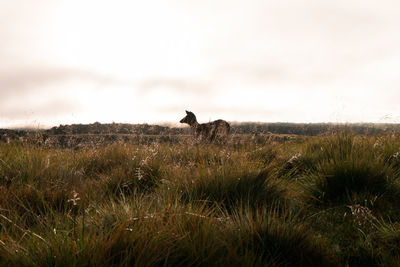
x=315 y=201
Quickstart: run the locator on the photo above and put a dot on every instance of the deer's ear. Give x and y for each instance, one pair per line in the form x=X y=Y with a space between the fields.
x=187 y=112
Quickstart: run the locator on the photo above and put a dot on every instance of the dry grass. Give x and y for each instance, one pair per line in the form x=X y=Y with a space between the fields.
x=318 y=201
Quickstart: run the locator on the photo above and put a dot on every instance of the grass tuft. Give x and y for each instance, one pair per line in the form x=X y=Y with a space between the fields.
x=309 y=201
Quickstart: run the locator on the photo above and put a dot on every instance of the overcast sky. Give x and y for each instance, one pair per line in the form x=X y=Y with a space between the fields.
x=70 y=61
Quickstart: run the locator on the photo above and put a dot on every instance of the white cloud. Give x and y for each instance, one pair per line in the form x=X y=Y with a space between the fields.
x=243 y=60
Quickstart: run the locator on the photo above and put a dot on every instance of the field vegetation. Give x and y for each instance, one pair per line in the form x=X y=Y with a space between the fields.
x=263 y=200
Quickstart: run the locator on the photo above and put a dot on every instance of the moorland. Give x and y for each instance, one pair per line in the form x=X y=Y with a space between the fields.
x=147 y=195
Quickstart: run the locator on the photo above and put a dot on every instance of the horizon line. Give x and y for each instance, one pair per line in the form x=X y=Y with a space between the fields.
x=179 y=125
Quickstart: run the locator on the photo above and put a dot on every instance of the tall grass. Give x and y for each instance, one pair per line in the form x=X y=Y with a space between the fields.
x=320 y=201
x=346 y=169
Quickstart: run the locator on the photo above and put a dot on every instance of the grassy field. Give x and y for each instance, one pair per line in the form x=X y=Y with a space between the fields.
x=312 y=201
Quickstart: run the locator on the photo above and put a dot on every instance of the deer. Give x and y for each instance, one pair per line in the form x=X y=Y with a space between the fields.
x=215 y=131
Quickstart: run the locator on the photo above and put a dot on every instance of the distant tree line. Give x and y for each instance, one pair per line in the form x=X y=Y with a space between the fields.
x=237 y=128
x=115 y=128
x=313 y=129
x=310 y=129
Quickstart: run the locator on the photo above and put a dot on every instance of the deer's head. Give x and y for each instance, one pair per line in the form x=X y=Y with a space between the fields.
x=190 y=118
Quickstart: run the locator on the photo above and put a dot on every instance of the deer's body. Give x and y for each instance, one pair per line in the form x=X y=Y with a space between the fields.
x=216 y=131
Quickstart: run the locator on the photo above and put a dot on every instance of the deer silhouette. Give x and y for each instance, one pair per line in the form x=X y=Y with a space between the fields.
x=215 y=131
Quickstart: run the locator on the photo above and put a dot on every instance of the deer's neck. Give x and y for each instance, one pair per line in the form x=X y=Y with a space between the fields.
x=194 y=125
